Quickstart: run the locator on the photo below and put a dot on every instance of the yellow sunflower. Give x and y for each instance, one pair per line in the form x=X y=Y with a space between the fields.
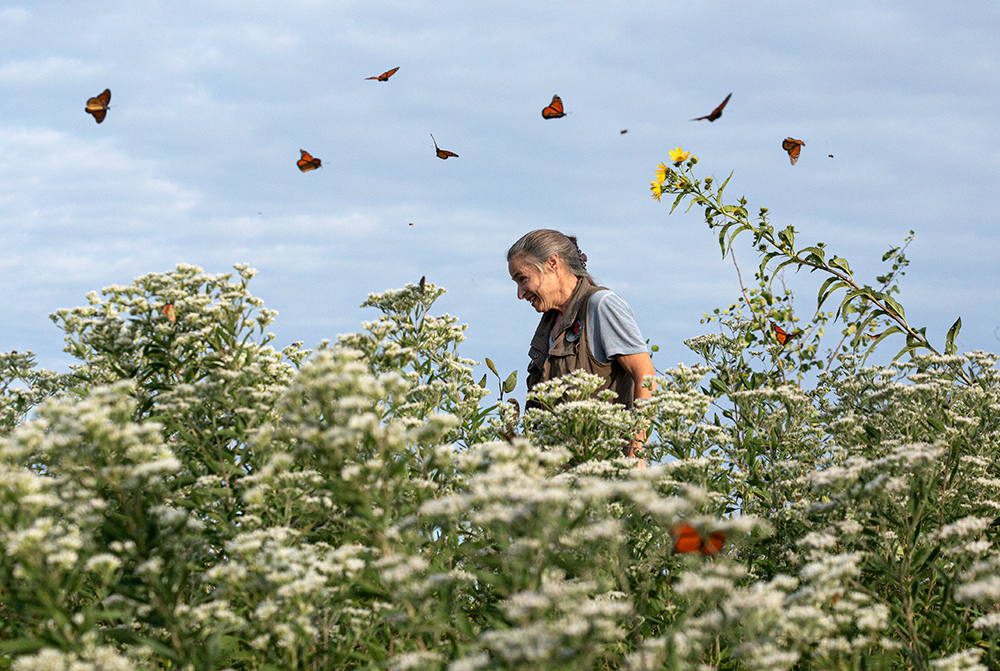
x=679 y=155
x=657 y=189
x=661 y=173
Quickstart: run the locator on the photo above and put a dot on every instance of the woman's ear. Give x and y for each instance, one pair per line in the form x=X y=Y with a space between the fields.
x=552 y=263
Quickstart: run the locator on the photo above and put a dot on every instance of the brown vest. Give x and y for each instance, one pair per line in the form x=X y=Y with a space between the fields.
x=571 y=348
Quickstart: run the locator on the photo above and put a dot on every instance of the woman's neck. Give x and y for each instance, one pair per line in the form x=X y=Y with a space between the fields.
x=567 y=286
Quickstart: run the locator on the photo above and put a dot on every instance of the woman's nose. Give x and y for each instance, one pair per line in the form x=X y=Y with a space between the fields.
x=520 y=292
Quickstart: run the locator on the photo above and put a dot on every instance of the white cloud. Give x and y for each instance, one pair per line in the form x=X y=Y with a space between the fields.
x=52 y=68
x=12 y=16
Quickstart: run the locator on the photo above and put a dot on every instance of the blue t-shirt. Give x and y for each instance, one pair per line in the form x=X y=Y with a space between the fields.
x=611 y=327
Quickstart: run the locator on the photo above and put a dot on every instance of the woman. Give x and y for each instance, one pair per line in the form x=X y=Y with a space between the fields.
x=583 y=326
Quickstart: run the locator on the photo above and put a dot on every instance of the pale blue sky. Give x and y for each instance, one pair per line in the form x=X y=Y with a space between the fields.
x=213 y=100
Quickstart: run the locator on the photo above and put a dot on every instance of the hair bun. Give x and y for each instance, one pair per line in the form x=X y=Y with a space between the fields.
x=583 y=257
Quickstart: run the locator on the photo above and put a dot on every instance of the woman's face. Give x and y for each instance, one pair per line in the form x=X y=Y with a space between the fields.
x=538 y=287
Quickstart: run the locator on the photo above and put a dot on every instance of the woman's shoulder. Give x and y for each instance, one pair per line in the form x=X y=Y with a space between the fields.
x=606 y=300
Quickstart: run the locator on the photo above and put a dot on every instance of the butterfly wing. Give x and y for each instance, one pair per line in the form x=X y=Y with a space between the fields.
x=554 y=110
x=442 y=153
x=793 y=147
x=782 y=335
x=686 y=539
x=168 y=310
x=98 y=105
x=307 y=162
x=100 y=101
x=98 y=114
x=384 y=77
x=717 y=112
x=714 y=543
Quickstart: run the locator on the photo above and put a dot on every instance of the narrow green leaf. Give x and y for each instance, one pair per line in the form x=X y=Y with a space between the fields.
x=789 y=262
x=873 y=434
x=949 y=341
x=895 y=307
x=677 y=201
x=719 y=190
x=22 y=645
x=489 y=364
x=767 y=259
x=831 y=285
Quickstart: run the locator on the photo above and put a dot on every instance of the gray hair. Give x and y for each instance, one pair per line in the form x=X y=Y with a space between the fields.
x=540 y=244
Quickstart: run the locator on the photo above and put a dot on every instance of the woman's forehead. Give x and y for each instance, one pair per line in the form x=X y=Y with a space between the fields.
x=519 y=265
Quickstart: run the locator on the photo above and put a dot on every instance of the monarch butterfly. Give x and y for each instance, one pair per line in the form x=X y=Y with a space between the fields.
x=782 y=336
x=98 y=105
x=168 y=310
x=687 y=539
x=307 y=162
x=554 y=110
x=442 y=153
x=716 y=113
x=793 y=147
x=384 y=77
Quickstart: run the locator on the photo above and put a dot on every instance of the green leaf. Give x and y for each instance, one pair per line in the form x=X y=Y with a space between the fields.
x=767 y=259
x=23 y=645
x=787 y=235
x=949 y=341
x=717 y=385
x=831 y=285
x=895 y=307
x=817 y=252
x=510 y=383
x=885 y=334
x=719 y=190
x=841 y=264
x=789 y=262
x=489 y=364
x=677 y=202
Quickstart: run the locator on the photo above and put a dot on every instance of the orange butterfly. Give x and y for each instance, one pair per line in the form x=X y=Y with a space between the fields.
x=442 y=153
x=554 y=110
x=384 y=77
x=687 y=539
x=168 y=310
x=793 y=147
x=307 y=162
x=98 y=106
x=716 y=113
x=782 y=336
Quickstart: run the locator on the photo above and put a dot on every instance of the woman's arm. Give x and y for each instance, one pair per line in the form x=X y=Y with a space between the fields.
x=638 y=366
